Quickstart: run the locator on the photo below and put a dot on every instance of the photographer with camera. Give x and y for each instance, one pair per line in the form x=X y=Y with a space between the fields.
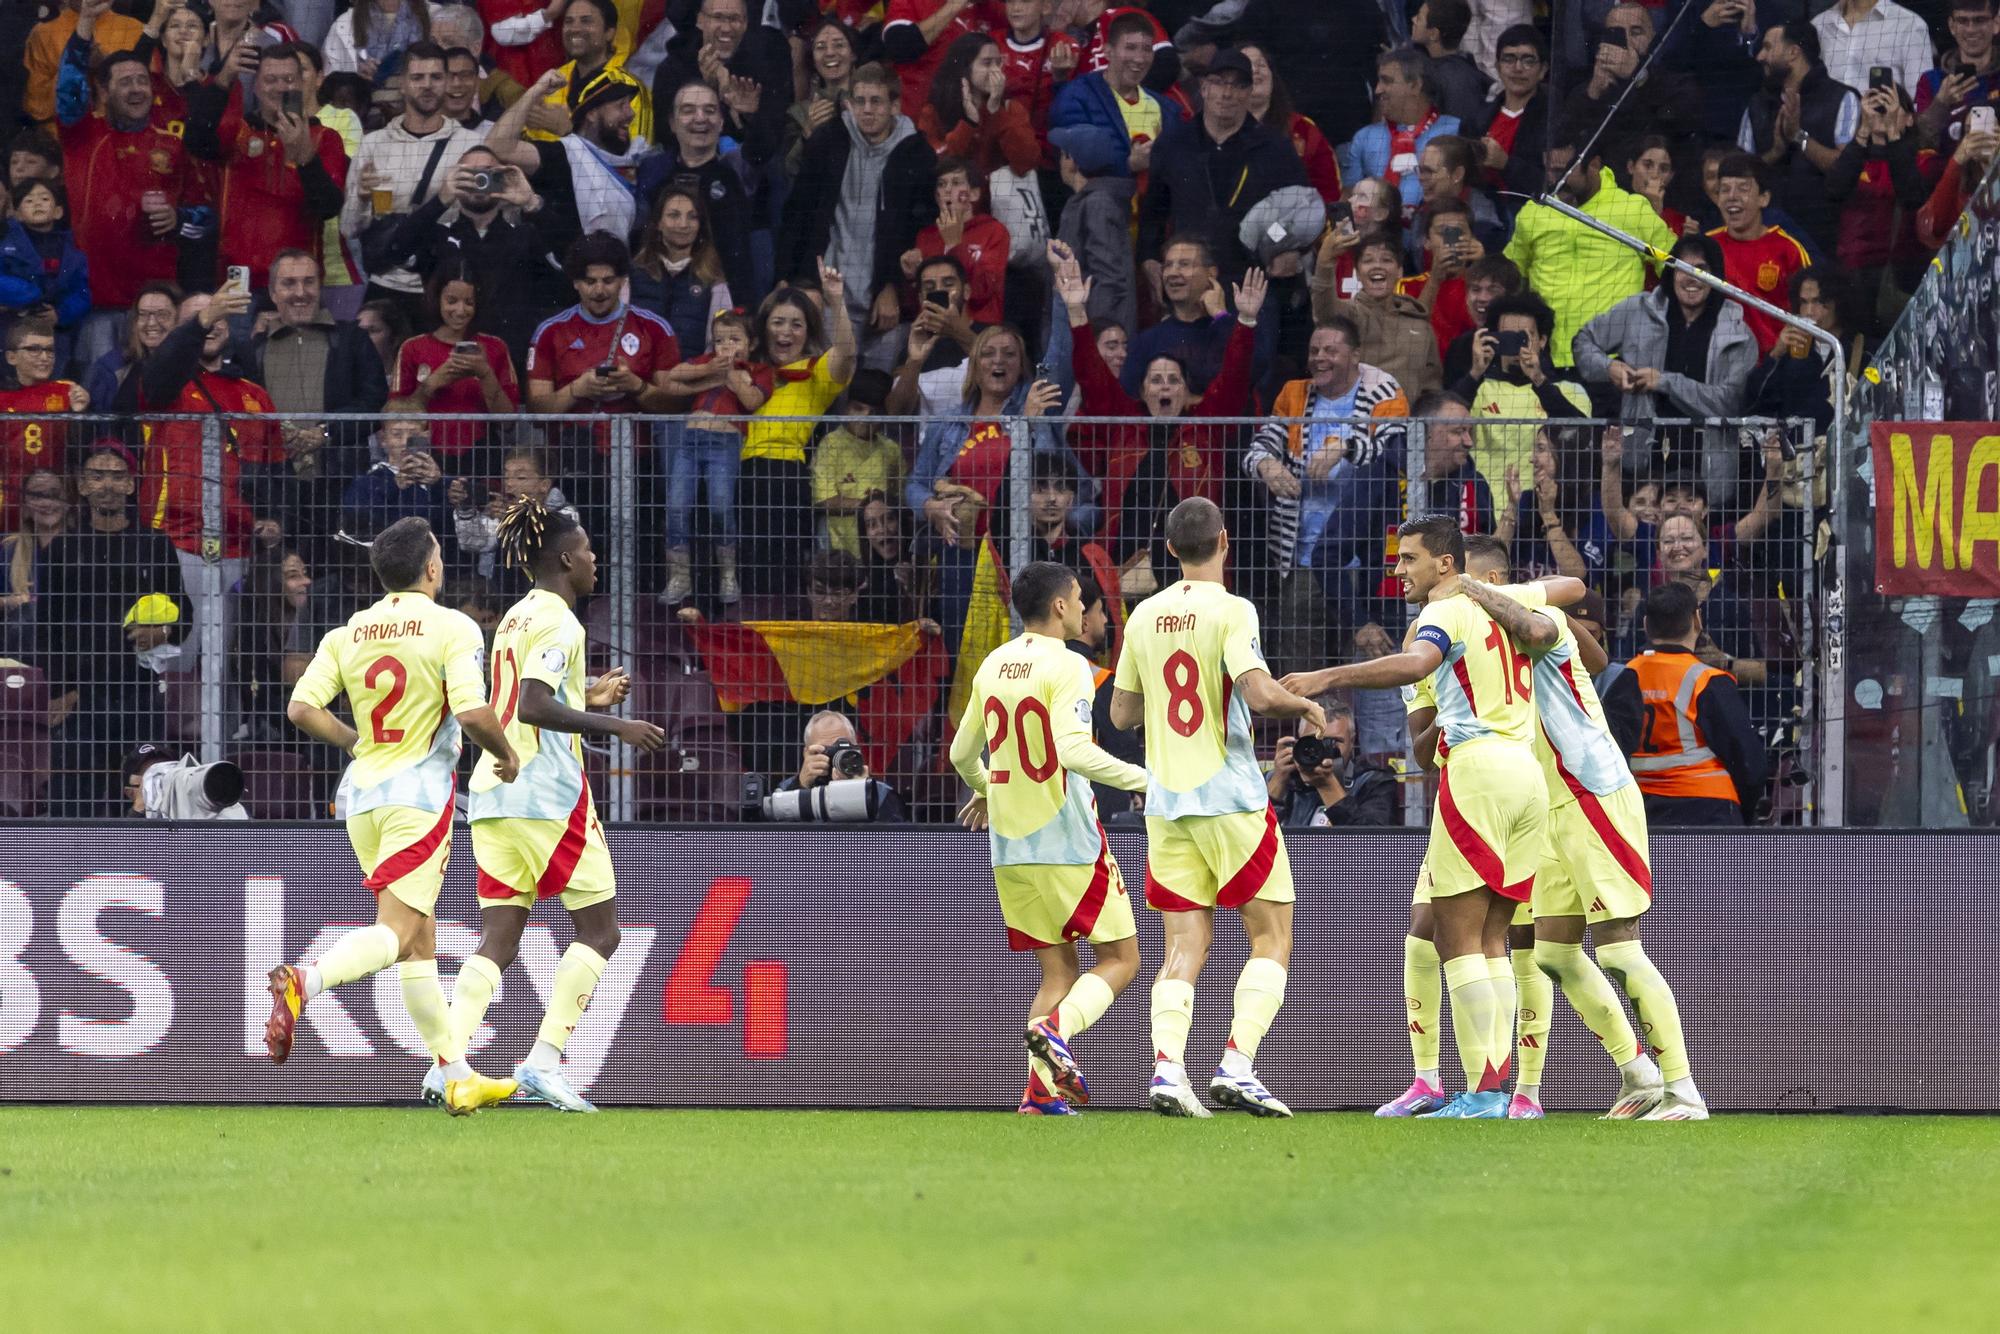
x=1320 y=782
x=160 y=787
x=833 y=782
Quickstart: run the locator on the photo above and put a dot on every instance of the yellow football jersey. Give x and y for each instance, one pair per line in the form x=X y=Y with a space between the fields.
x=407 y=666
x=1485 y=685
x=1031 y=709
x=1185 y=648
x=539 y=639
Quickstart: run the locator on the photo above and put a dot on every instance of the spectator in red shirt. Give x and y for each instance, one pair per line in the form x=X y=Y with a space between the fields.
x=727 y=386
x=453 y=370
x=599 y=356
x=283 y=176
x=1036 y=58
x=969 y=114
x=978 y=241
x=1271 y=107
x=192 y=374
x=1755 y=257
x=127 y=174
x=30 y=442
x=918 y=33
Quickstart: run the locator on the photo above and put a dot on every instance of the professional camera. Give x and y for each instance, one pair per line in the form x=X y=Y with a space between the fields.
x=850 y=801
x=1309 y=752
x=184 y=789
x=846 y=759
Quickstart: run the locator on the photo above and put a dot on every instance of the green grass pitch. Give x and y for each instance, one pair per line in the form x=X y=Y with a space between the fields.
x=312 y=1219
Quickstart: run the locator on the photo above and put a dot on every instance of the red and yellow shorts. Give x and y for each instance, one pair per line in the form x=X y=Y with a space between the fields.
x=1597 y=866
x=1216 y=861
x=1046 y=905
x=403 y=850
x=1490 y=829
x=524 y=861
x=1523 y=915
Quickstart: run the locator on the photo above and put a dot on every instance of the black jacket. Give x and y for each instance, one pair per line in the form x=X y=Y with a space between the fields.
x=519 y=278
x=1723 y=725
x=1523 y=174
x=763 y=55
x=906 y=204
x=1801 y=187
x=1370 y=800
x=1201 y=188
x=355 y=379
x=1325 y=52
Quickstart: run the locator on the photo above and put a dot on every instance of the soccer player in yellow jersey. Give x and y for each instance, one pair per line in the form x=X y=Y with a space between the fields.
x=1193 y=672
x=539 y=835
x=1030 y=711
x=1597 y=872
x=411 y=671
x=1490 y=830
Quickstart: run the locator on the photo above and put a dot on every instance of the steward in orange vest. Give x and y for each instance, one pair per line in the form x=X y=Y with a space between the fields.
x=1682 y=724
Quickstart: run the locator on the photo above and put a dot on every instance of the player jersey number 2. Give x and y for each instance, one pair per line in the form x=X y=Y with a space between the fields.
x=1029 y=709
x=1183 y=677
x=399 y=681
x=1516 y=670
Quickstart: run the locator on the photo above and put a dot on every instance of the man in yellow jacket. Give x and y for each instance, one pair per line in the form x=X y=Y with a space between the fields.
x=1580 y=272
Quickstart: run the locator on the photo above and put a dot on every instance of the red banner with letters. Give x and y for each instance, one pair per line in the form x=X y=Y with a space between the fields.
x=1937 y=508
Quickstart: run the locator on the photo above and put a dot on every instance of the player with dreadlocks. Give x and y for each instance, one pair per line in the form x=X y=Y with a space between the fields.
x=539 y=836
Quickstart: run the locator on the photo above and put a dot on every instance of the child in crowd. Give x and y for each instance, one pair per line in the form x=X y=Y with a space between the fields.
x=522 y=473
x=40 y=266
x=727 y=384
x=856 y=460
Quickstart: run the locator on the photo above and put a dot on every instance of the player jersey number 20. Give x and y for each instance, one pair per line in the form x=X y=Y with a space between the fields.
x=1028 y=710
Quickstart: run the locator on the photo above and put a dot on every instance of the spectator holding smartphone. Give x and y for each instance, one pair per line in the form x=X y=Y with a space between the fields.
x=407 y=482
x=452 y=370
x=1967 y=79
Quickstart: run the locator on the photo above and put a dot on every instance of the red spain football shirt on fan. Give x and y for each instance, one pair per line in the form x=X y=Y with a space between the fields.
x=29 y=442
x=980 y=16
x=109 y=172
x=170 y=479
x=568 y=345
x=422 y=355
x=261 y=203
x=1764 y=266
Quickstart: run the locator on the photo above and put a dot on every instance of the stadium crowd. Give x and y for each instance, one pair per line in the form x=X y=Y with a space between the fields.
x=1194 y=215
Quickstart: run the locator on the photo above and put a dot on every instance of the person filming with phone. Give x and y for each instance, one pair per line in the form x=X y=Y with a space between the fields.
x=283 y=175
x=1511 y=379
x=1966 y=83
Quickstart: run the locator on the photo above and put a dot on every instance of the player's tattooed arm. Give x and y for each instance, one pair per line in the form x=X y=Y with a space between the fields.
x=1530 y=629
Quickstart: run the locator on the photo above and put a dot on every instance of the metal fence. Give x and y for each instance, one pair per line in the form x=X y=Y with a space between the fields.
x=1917 y=707
x=173 y=579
